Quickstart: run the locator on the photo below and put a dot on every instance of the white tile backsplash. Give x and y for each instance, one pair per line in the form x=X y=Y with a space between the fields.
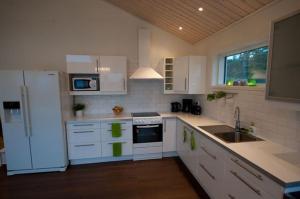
x=277 y=121
x=143 y=95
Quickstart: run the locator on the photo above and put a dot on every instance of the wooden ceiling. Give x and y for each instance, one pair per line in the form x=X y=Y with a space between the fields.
x=172 y=14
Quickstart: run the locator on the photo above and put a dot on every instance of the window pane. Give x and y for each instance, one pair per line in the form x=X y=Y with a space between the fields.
x=246 y=65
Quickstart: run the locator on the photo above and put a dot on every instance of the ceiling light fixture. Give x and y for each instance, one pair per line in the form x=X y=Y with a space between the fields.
x=180 y=28
x=200 y=9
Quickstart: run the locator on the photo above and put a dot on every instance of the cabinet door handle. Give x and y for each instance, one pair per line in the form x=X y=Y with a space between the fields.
x=84 y=145
x=83 y=132
x=208 y=173
x=246 y=183
x=83 y=124
x=97 y=62
x=230 y=196
x=117 y=142
x=124 y=84
x=243 y=167
x=164 y=125
x=185 y=84
x=208 y=153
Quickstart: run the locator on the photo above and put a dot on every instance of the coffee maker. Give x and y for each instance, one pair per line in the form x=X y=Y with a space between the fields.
x=187 y=105
x=175 y=107
x=196 y=109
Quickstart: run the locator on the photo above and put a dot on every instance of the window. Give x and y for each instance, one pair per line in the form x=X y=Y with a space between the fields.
x=251 y=64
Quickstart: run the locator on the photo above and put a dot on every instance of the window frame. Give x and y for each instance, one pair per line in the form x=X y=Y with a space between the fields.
x=245 y=51
x=218 y=69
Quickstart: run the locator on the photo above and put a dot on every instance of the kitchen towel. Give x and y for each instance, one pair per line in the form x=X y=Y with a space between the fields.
x=193 y=142
x=117 y=149
x=116 y=130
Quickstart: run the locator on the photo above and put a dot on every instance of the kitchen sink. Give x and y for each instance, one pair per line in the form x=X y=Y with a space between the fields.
x=228 y=134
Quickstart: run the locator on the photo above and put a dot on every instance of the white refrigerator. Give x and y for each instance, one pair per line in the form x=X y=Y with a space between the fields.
x=31 y=110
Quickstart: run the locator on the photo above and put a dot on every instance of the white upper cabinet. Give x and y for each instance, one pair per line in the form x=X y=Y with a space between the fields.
x=185 y=75
x=113 y=74
x=180 y=75
x=82 y=64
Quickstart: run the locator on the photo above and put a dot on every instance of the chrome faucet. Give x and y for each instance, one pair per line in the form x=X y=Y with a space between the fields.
x=237 y=119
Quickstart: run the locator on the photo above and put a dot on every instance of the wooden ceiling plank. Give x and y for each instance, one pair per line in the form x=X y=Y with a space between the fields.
x=209 y=11
x=254 y=3
x=243 y=5
x=179 y=18
x=234 y=8
x=167 y=24
x=192 y=22
x=217 y=24
x=220 y=8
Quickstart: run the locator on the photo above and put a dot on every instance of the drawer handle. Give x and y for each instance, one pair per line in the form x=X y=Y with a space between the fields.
x=84 y=145
x=117 y=142
x=83 y=132
x=231 y=196
x=208 y=173
x=121 y=130
x=208 y=153
x=118 y=123
x=83 y=124
x=243 y=167
x=246 y=183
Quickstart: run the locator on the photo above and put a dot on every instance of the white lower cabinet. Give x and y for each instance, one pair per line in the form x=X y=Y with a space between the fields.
x=222 y=174
x=107 y=148
x=84 y=150
x=169 y=135
x=94 y=140
x=84 y=140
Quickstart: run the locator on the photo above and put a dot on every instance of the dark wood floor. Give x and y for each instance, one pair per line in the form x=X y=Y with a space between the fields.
x=153 y=179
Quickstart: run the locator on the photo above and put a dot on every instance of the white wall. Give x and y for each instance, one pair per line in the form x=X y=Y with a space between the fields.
x=37 y=34
x=277 y=121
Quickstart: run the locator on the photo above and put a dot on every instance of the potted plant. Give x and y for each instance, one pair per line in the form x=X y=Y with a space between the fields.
x=78 y=109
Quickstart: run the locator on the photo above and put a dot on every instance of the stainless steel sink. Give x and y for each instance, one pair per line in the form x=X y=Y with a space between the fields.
x=228 y=134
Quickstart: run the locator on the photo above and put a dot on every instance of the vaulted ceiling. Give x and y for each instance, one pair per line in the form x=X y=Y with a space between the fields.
x=185 y=19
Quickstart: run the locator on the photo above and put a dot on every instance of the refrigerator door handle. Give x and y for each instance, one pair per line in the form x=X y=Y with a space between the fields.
x=26 y=110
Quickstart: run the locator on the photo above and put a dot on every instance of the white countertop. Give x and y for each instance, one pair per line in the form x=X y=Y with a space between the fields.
x=277 y=161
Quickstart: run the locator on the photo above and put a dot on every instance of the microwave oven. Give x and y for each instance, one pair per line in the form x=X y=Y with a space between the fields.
x=85 y=83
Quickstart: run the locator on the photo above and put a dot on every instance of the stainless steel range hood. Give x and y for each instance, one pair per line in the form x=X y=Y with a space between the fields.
x=144 y=71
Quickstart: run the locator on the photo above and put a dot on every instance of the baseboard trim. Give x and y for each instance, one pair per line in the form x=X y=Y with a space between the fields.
x=14 y=172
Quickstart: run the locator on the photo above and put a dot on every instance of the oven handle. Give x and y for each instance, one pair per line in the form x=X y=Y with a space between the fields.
x=147 y=126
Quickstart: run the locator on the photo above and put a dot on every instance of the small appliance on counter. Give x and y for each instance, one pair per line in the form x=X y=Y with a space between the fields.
x=196 y=109
x=175 y=107
x=187 y=105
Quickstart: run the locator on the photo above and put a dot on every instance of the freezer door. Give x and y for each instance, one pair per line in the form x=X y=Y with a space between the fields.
x=12 y=112
x=47 y=136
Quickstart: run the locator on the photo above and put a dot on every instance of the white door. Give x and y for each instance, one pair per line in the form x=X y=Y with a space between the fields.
x=17 y=148
x=47 y=135
x=82 y=64
x=180 y=74
x=169 y=135
x=113 y=74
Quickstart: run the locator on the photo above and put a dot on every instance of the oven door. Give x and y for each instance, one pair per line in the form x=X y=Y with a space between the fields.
x=147 y=133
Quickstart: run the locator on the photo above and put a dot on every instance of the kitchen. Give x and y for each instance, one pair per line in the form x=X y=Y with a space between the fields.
x=45 y=35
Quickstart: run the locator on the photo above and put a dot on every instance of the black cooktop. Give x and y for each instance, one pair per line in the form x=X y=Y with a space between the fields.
x=145 y=114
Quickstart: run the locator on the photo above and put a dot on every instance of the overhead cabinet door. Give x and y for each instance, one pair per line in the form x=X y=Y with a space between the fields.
x=82 y=64
x=113 y=74
x=180 y=75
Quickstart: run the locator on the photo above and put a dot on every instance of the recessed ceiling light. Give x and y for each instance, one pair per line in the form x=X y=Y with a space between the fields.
x=180 y=28
x=200 y=9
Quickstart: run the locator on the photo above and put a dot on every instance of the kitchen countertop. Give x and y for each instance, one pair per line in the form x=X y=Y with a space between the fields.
x=276 y=161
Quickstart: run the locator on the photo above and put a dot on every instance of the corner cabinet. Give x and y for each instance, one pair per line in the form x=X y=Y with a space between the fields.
x=185 y=75
x=112 y=72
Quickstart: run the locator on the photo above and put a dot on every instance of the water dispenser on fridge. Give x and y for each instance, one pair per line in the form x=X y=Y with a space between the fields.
x=12 y=112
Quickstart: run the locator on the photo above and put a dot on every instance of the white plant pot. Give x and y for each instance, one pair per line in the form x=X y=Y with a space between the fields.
x=79 y=113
